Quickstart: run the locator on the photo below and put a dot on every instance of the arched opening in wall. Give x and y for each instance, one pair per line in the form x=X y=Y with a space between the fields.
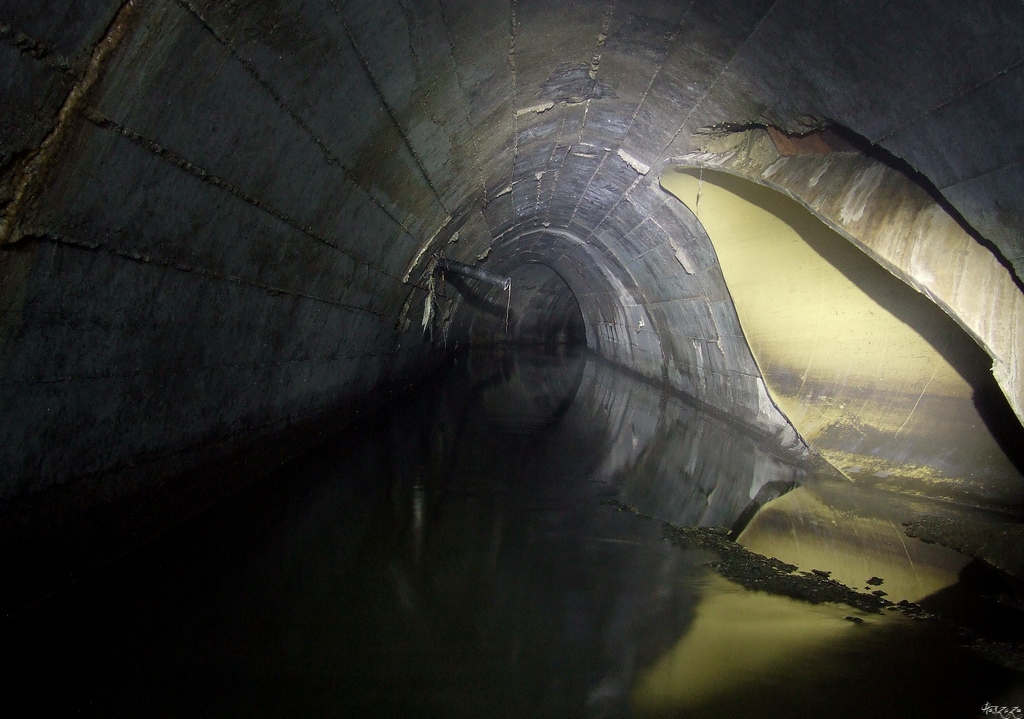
x=547 y=310
x=875 y=376
x=538 y=308
x=617 y=324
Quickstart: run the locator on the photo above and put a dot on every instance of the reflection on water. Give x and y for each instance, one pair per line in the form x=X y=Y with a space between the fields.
x=748 y=653
x=460 y=559
x=740 y=637
x=863 y=546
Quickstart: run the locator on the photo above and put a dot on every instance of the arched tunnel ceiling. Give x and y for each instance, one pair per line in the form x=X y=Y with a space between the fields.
x=203 y=197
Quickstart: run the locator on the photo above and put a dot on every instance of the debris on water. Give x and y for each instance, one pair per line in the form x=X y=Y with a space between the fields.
x=754 y=571
x=736 y=563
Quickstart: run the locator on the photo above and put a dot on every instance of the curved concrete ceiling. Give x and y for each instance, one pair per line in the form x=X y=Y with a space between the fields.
x=219 y=214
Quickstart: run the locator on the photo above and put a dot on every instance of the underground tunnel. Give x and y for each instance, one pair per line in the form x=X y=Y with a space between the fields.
x=512 y=357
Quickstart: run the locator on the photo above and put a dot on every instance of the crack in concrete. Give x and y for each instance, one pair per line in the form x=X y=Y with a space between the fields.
x=659 y=159
x=515 y=86
x=410 y=23
x=602 y=37
x=583 y=125
x=465 y=104
x=586 y=189
x=615 y=205
x=597 y=55
x=714 y=84
x=628 y=233
x=558 y=172
x=669 y=46
x=949 y=101
x=635 y=164
x=568 y=151
x=35 y=170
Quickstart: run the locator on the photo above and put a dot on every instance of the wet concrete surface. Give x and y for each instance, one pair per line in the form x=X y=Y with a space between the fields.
x=534 y=534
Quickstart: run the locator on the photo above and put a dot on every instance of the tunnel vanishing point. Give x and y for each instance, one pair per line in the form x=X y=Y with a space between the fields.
x=226 y=225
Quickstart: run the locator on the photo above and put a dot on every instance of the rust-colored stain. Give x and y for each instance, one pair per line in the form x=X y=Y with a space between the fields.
x=820 y=142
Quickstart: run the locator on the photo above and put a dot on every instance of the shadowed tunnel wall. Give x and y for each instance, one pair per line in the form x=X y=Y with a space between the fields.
x=219 y=214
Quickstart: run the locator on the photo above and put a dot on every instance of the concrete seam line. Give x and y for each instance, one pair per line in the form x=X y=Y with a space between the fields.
x=201 y=272
x=296 y=118
x=402 y=131
x=104 y=122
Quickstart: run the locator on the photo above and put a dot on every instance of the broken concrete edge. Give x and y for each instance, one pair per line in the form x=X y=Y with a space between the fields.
x=752 y=155
x=35 y=170
x=641 y=168
x=424 y=251
x=757 y=572
x=999 y=544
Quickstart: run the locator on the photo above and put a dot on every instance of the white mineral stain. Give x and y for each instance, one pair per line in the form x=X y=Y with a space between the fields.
x=857 y=198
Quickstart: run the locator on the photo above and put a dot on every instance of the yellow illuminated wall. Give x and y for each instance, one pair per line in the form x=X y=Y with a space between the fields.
x=876 y=377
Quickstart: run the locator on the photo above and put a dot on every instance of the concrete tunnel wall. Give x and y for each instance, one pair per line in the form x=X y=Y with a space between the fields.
x=218 y=215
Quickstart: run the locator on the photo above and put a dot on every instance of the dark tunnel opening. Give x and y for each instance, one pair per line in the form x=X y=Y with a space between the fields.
x=538 y=308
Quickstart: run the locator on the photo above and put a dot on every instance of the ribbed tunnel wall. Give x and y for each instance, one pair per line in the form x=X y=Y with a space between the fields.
x=219 y=215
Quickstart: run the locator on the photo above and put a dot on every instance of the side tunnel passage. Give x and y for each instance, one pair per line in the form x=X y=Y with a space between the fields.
x=563 y=291
x=874 y=375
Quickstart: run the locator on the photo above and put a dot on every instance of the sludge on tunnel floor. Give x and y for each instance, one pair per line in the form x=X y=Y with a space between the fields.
x=496 y=546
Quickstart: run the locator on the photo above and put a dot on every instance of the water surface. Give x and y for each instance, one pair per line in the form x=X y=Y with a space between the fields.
x=467 y=556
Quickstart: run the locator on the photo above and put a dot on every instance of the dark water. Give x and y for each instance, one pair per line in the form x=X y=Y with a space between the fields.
x=461 y=558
